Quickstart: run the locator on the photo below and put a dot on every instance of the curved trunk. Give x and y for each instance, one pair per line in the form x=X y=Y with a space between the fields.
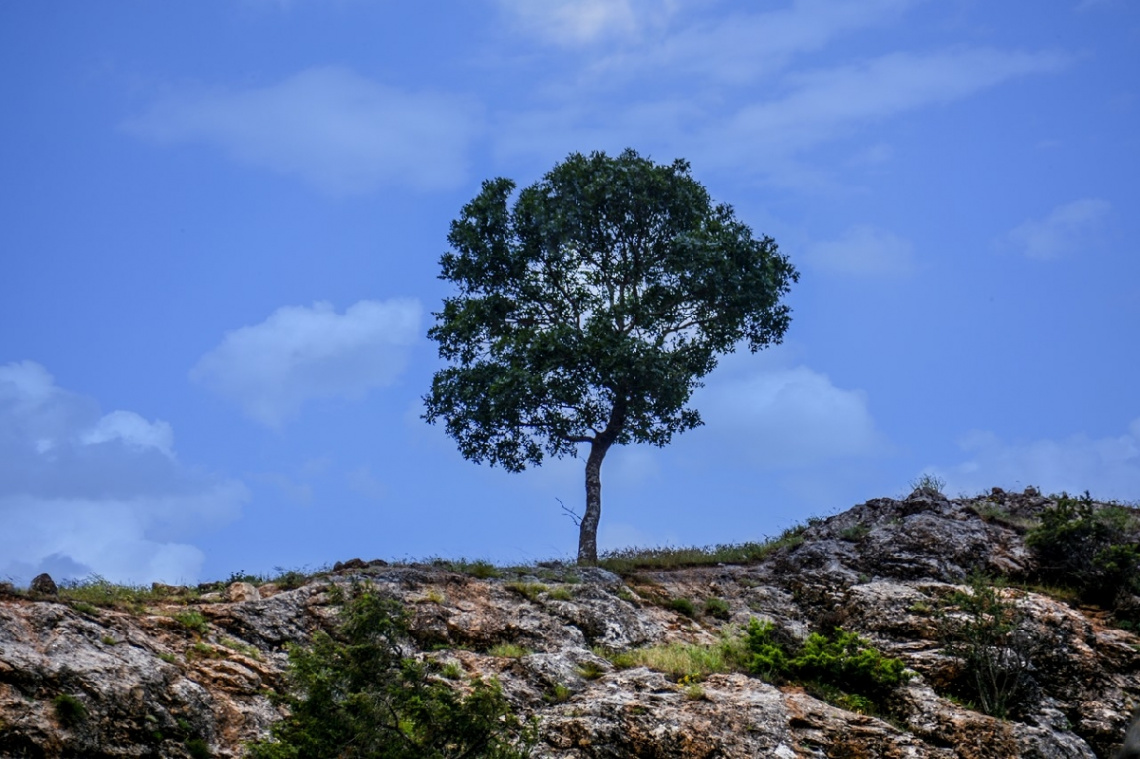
x=588 y=530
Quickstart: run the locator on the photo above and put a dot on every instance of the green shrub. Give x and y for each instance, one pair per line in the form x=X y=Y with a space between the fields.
x=682 y=606
x=358 y=695
x=192 y=619
x=69 y=710
x=528 y=590
x=561 y=593
x=1089 y=548
x=928 y=484
x=591 y=670
x=198 y=748
x=989 y=636
x=838 y=663
x=507 y=651
x=718 y=608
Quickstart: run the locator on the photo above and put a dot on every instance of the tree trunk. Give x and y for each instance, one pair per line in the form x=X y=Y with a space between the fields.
x=588 y=529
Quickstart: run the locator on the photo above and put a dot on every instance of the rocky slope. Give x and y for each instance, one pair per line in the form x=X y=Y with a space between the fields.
x=188 y=675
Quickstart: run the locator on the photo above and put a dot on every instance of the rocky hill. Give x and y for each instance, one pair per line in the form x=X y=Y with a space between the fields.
x=178 y=672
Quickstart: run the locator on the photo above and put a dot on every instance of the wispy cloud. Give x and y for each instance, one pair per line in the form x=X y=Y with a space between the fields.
x=863 y=251
x=741 y=47
x=581 y=22
x=769 y=136
x=1067 y=229
x=833 y=103
x=82 y=491
x=303 y=353
x=1108 y=467
x=329 y=126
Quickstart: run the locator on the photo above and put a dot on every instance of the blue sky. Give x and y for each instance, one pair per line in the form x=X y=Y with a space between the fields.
x=222 y=223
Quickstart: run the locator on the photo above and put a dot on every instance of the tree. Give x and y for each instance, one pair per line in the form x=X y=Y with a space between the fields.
x=589 y=310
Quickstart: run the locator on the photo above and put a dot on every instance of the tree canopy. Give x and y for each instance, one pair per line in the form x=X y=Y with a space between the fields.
x=589 y=309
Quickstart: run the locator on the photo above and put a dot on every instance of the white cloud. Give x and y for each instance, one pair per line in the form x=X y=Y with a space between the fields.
x=1067 y=229
x=863 y=250
x=828 y=104
x=84 y=492
x=738 y=48
x=299 y=354
x=1107 y=467
x=577 y=22
x=328 y=125
x=788 y=418
x=133 y=431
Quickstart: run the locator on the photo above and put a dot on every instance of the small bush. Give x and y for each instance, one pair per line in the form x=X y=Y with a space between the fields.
x=562 y=593
x=854 y=533
x=928 y=484
x=192 y=619
x=591 y=670
x=69 y=710
x=682 y=606
x=359 y=695
x=557 y=694
x=508 y=651
x=840 y=662
x=1089 y=548
x=198 y=749
x=718 y=608
x=528 y=590
x=989 y=636
x=678 y=660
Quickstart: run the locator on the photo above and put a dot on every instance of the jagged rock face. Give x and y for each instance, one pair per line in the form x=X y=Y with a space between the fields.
x=163 y=682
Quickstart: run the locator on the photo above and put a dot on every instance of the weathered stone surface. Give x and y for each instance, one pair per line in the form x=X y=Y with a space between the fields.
x=43 y=585
x=149 y=682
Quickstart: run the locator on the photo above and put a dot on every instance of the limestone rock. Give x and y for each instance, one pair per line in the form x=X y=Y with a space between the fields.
x=149 y=683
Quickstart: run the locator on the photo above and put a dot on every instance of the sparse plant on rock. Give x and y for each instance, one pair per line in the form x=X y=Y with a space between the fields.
x=989 y=635
x=844 y=667
x=1088 y=547
x=358 y=695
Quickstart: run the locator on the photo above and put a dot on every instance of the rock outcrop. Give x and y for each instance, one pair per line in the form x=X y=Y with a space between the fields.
x=187 y=674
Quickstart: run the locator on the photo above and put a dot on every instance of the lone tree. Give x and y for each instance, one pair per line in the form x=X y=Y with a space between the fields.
x=589 y=310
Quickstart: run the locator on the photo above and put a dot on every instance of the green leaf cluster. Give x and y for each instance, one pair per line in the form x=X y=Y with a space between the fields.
x=357 y=695
x=988 y=634
x=595 y=302
x=839 y=660
x=1088 y=547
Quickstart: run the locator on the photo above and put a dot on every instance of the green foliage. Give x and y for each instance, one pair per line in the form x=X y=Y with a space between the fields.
x=928 y=484
x=1089 y=548
x=854 y=533
x=357 y=696
x=588 y=311
x=682 y=606
x=629 y=560
x=840 y=663
x=718 y=608
x=95 y=591
x=528 y=590
x=679 y=660
x=591 y=670
x=198 y=748
x=557 y=694
x=988 y=634
x=192 y=619
x=69 y=710
x=508 y=651
x=561 y=593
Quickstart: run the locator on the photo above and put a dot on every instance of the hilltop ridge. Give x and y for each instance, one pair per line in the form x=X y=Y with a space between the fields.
x=652 y=660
